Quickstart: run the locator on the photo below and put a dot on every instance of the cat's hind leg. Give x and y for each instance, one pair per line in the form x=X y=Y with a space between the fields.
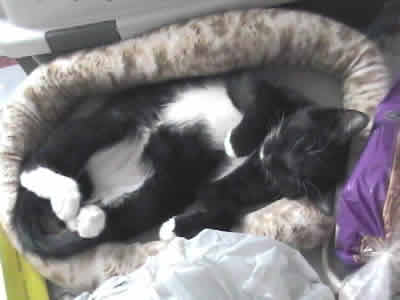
x=63 y=192
x=53 y=170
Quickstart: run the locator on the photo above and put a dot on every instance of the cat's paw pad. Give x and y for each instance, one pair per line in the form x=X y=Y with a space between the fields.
x=90 y=222
x=167 y=230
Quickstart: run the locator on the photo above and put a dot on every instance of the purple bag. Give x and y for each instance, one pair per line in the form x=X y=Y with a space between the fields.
x=368 y=213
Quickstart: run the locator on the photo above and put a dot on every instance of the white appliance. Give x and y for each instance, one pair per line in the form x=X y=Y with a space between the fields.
x=37 y=27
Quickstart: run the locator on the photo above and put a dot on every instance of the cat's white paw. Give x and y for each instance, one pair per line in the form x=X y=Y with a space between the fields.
x=89 y=223
x=63 y=192
x=40 y=181
x=228 y=146
x=66 y=206
x=166 y=232
x=67 y=201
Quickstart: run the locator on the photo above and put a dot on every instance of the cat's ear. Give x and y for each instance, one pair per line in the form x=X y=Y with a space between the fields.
x=347 y=122
x=353 y=122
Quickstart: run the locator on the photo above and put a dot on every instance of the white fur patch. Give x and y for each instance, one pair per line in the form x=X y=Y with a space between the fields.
x=228 y=145
x=261 y=153
x=63 y=192
x=209 y=103
x=119 y=169
x=166 y=232
x=212 y=105
x=89 y=223
x=66 y=204
x=230 y=166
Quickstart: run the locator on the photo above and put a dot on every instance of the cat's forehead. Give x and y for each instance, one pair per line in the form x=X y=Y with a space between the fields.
x=308 y=129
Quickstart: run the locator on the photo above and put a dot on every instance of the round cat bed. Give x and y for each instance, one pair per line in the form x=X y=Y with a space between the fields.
x=206 y=45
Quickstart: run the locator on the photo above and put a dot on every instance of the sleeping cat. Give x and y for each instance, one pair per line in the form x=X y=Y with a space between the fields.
x=227 y=141
x=303 y=155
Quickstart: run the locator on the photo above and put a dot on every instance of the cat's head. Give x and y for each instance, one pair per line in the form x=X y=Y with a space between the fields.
x=307 y=153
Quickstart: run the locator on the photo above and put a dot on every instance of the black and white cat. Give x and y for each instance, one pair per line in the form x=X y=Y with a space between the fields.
x=228 y=141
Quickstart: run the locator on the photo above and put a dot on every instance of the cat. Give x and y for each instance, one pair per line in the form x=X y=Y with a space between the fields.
x=303 y=156
x=151 y=151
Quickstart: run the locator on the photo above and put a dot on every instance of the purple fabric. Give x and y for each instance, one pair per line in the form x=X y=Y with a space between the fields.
x=363 y=196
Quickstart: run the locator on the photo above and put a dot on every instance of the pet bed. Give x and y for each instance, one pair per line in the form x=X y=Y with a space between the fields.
x=201 y=46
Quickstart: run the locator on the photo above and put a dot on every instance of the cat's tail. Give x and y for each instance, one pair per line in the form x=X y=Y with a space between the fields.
x=40 y=232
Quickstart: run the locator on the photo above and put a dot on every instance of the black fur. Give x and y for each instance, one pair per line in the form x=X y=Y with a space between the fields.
x=184 y=160
x=305 y=155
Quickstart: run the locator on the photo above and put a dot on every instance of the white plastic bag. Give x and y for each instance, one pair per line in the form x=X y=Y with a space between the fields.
x=379 y=278
x=219 y=265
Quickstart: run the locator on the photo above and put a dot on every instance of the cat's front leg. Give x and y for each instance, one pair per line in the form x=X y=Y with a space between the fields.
x=185 y=225
x=190 y=224
x=62 y=191
x=53 y=171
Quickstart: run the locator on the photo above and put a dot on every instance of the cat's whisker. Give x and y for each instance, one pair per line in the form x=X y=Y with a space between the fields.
x=305 y=188
x=311 y=147
x=267 y=173
x=316 y=151
x=299 y=183
x=315 y=188
x=326 y=146
x=276 y=131
x=320 y=150
x=298 y=142
x=280 y=125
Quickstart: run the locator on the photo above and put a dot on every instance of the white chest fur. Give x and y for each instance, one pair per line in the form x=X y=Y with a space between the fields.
x=209 y=104
x=120 y=168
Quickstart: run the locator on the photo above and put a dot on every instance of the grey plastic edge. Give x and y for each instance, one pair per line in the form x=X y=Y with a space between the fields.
x=82 y=37
x=131 y=26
